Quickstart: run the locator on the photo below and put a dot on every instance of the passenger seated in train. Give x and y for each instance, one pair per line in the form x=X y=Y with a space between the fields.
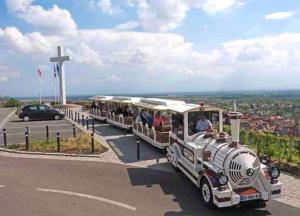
x=203 y=124
x=144 y=117
x=138 y=118
x=157 y=120
x=93 y=106
x=149 y=119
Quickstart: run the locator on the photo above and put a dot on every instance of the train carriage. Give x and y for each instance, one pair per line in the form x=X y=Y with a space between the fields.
x=99 y=107
x=120 y=111
x=153 y=120
x=226 y=172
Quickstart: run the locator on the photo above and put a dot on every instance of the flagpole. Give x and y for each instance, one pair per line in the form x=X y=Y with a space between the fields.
x=40 y=93
x=54 y=84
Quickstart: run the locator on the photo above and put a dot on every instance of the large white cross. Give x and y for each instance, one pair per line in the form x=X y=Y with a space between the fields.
x=60 y=59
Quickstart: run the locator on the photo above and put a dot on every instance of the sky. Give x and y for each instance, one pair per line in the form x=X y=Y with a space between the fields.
x=150 y=46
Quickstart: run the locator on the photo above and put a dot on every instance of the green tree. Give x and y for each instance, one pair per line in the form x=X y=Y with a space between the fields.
x=297 y=147
x=12 y=102
x=244 y=137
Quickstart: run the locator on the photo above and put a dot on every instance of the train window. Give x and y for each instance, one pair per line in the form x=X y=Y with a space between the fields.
x=178 y=125
x=204 y=119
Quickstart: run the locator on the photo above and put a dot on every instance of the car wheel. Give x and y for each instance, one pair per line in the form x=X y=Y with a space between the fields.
x=206 y=193
x=26 y=118
x=56 y=117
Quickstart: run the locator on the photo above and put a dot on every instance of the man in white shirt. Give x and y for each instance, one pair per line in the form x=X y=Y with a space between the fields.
x=203 y=124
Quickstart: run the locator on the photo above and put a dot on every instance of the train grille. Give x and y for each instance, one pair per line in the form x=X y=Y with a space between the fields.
x=235 y=172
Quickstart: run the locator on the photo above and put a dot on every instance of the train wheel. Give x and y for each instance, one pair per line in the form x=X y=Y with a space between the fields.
x=206 y=193
x=174 y=159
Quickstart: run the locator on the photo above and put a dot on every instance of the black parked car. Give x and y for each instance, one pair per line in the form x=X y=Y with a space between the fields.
x=40 y=112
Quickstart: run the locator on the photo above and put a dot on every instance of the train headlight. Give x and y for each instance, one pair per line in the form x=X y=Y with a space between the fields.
x=222 y=179
x=275 y=172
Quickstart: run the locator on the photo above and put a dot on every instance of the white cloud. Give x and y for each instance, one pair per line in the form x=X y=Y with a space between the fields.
x=3 y=79
x=280 y=15
x=163 y=60
x=7 y=72
x=161 y=16
x=105 y=6
x=166 y=53
x=127 y=26
x=27 y=43
x=52 y=21
x=166 y=15
x=86 y=55
x=214 y=6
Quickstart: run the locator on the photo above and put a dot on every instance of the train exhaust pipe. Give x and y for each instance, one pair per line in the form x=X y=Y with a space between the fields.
x=235 y=128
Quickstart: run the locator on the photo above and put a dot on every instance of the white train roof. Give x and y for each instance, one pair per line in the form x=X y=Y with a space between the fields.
x=157 y=103
x=123 y=99
x=101 y=98
x=182 y=108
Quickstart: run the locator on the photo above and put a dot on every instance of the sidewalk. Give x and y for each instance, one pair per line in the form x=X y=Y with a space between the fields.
x=123 y=148
x=290 y=190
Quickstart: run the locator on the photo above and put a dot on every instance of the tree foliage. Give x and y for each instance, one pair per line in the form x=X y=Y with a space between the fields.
x=12 y=102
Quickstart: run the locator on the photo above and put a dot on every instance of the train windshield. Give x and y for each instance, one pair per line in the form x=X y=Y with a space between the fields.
x=200 y=121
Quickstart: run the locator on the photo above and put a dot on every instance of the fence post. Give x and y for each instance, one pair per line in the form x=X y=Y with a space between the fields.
x=26 y=141
x=78 y=117
x=47 y=133
x=75 y=117
x=82 y=118
x=93 y=125
x=93 y=142
x=58 y=141
x=87 y=123
x=74 y=131
x=4 y=137
x=138 y=150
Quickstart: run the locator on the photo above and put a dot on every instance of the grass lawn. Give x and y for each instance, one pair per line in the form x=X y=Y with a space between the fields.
x=80 y=145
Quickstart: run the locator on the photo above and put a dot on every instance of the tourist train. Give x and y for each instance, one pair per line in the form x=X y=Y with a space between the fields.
x=226 y=172
x=100 y=111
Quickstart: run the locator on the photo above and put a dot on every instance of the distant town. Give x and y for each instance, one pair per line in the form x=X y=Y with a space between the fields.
x=276 y=112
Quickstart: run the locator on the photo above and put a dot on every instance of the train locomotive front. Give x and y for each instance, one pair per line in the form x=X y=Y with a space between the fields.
x=226 y=172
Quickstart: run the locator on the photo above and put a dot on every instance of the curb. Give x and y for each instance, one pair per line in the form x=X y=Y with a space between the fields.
x=97 y=138
x=6 y=119
x=53 y=153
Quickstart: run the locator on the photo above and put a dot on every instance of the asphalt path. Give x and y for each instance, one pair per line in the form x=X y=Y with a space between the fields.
x=58 y=187
x=125 y=146
x=4 y=112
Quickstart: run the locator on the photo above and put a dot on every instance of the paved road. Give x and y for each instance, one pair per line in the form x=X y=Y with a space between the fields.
x=4 y=112
x=55 y=187
x=15 y=130
x=124 y=145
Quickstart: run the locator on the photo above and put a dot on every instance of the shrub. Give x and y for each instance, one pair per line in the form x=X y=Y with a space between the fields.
x=12 y=102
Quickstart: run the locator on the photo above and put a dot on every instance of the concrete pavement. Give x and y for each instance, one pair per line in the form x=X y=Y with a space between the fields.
x=5 y=114
x=56 y=187
x=291 y=190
